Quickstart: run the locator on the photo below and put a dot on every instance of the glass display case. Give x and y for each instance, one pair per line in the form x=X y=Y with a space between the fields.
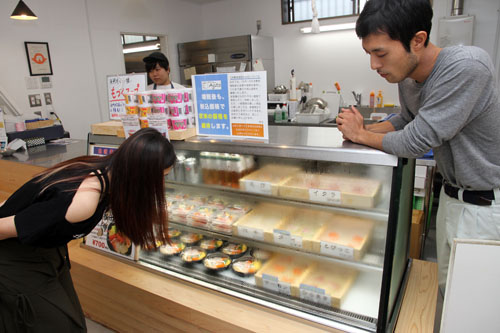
x=304 y=223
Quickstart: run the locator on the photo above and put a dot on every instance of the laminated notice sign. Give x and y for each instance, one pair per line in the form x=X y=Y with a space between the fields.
x=107 y=238
x=231 y=104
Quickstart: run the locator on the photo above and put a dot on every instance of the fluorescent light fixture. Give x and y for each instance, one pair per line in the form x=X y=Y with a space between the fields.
x=22 y=12
x=142 y=48
x=332 y=27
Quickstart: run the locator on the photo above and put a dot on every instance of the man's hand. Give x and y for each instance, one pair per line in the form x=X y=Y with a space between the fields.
x=350 y=123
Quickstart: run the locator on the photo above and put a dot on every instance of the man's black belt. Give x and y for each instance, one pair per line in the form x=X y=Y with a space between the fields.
x=480 y=198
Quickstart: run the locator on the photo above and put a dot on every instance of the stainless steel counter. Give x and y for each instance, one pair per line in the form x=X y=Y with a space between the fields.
x=49 y=154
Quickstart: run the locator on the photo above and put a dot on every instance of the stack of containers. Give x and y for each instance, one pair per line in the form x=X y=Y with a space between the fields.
x=131 y=103
x=145 y=106
x=181 y=110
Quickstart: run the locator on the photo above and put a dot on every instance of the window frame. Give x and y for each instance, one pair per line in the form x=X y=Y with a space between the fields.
x=292 y=11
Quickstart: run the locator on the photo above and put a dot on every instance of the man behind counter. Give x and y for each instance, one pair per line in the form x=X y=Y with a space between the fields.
x=158 y=70
x=450 y=103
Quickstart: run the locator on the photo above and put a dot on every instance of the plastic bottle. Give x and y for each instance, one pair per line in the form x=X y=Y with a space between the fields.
x=380 y=99
x=284 y=113
x=311 y=90
x=372 y=99
x=278 y=114
x=293 y=87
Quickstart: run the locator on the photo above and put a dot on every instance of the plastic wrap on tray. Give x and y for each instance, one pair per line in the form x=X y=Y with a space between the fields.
x=345 y=237
x=260 y=223
x=201 y=217
x=302 y=229
x=281 y=272
x=180 y=211
x=223 y=221
x=325 y=284
x=332 y=189
x=267 y=179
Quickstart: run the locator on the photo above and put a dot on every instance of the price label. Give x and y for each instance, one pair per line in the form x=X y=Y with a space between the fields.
x=274 y=284
x=284 y=237
x=251 y=233
x=258 y=187
x=315 y=295
x=325 y=196
x=336 y=250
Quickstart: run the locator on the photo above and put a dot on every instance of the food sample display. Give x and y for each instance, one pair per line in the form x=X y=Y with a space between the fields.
x=173 y=233
x=174 y=248
x=118 y=242
x=201 y=217
x=217 y=261
x=332 y=189
x=260 y=223
x=325 y=284
x=267 y=179
x=180 y=211
x=281 y=272
x=210 y=244
x=345 y=237
x=223 y=220
x=234 y=250
x=193 y=254
x=246 y=265
x=302 y=229
x=191 y=238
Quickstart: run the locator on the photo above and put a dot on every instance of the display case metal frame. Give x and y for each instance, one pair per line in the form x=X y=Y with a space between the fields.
x=326 y=144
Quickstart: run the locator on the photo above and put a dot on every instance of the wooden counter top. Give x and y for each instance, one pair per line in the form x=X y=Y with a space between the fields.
x=127 y=298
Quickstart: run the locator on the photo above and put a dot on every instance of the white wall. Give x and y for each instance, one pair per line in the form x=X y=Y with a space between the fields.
x=332 y=56
x=82 y=54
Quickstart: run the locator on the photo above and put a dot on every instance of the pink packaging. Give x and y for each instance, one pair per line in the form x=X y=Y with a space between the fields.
x=188 y=95
x=169 y=123
x=159 y=109
x=179 y=123
x=174 y=96
x=180 y=109
x=159 y=97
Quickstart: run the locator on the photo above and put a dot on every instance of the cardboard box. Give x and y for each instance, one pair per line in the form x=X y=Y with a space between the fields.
x=417 y=227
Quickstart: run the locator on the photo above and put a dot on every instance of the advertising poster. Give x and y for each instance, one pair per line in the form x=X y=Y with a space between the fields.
x=231 y=104
x=106 y=238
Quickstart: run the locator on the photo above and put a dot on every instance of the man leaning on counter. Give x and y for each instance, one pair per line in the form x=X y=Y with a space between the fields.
x=449 y=103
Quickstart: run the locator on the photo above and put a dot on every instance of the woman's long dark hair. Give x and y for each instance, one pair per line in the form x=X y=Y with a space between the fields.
x=136 y=191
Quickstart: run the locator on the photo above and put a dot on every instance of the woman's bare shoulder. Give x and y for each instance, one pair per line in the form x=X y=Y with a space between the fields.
x=85 y=200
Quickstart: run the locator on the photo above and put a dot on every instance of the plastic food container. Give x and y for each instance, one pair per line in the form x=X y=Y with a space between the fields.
x=246 y=265
x=217 y=261
x=173 y=233
x=144 y=110
x=191 y=238
x=144 y=122
x=179 y=123
x=130 y=98
x=131 y=109
x=224 y=220
x=181 y=211
x=262 y=255
x=201 y=217
x=175 y=96
x=234 y=250
x=159 y=109
x=159 y=97
x=193 y=254
x=172 y=249
x=211 y=244
x=144 y=97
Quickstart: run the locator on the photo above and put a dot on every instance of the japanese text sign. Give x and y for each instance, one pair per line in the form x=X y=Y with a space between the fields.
x=231 y=104
x=123 y=84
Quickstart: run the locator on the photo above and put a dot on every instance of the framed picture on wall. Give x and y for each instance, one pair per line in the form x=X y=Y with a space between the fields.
x=38 y=58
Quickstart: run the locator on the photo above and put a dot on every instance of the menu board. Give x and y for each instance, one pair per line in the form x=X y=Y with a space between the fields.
x=119 y=85
x=106 y=238
x=231 y=104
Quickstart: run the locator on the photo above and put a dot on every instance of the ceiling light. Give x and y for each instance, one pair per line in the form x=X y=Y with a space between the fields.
x=141 y=48
x=333 y=27
x=22 y=12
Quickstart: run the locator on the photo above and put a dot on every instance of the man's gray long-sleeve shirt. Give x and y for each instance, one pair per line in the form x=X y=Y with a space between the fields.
x=456 y=112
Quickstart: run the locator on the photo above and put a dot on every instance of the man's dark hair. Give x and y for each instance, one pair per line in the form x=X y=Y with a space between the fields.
x=151 y=65
x=400 y=19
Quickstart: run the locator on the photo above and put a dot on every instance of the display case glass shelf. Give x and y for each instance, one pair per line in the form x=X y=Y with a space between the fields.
x=305 y=223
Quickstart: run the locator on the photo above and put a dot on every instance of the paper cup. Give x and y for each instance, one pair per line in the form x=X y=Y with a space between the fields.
x=188 y=95
x=169 y=123
x=144 y=98
x=132 y=109
x=143 y=122
x=130 y=98
x=176 y=110
x=191 y=121
x=159 y=97
x=179 y=123
x=175 y=96
x=144 y=110
x=159 y=109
